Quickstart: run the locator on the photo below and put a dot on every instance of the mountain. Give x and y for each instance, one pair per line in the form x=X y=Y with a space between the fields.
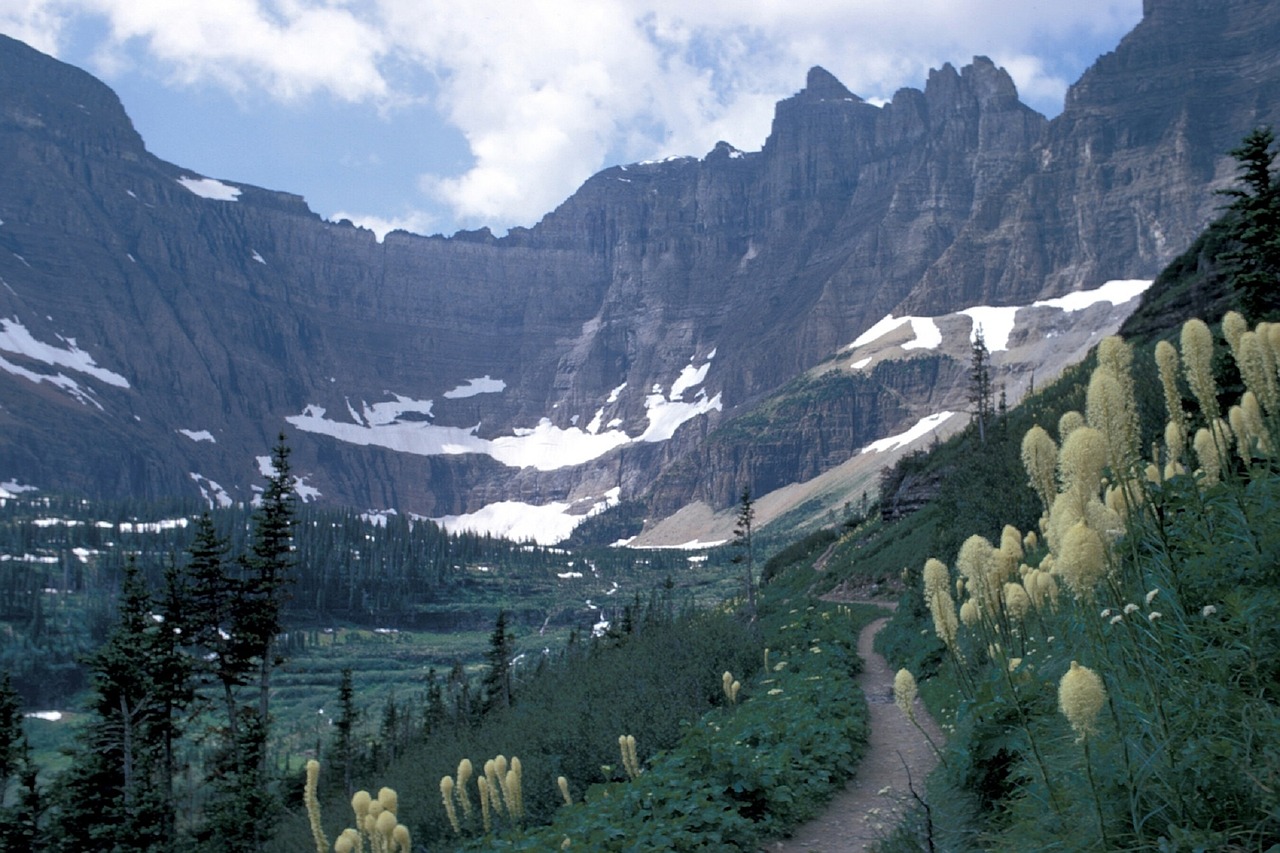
x=158 y=328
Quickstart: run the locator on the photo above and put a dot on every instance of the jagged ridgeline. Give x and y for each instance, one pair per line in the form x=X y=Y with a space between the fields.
x=594 y=356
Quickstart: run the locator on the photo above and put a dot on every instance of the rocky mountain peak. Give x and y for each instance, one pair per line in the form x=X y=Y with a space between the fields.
x=47 y=98
x=822 y=85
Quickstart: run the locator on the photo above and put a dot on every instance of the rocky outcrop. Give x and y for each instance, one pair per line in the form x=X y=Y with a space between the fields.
x=428 y=374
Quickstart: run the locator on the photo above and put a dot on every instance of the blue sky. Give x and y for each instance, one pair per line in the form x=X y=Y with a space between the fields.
x=438 y=116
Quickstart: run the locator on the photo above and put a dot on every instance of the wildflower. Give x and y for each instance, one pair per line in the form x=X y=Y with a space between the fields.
x=1080 y=698
x=969 y=613
x=486 y=802
x=1130 y=608
x=1106 y=613
x=976 y=563
x=1208 y=610
x=904 y=692
x=446 y=796
x=1257 y=368
x=1175 y=439
x=465 y=772
x=563 y=784
x=1016 y=600
x=1153 y=615
x=945 y=623
x=1083 y=558
x=1234 y=327
x=1167 y=362
x=1116 y=619
x=775 y=691
x=935 y=577
x=1111 y=413
x=401 y=838
x=1152 y=595
x=1083 y=456
x=1039 y=456
x=1197 y=355
x=347 y=841
x=1014 y=663
x=1207 y=454
x=313 y=806
x=1068 y=424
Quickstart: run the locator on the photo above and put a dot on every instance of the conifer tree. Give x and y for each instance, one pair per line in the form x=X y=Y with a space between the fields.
x=345 y=725
x=20 y=804
x=1254 y=266
x=496 y=689
x=980 y=384
x=115 y=795
x=746 y=551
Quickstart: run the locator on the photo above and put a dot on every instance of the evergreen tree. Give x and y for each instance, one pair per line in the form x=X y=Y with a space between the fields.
x=268 y=568
x=980 y=384
x=746 y=552
x=496 y=688
x=1254 y=266
x=344 y=727
x=213 y=595
x=19 y=810
x=115 y=795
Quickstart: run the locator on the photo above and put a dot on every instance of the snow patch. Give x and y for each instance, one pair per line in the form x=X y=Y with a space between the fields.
x=255 y=256
x=996 y=323
x=211 y=189
x=15 y=338
x=861 y=363
x=922 y=428
x=200 y=435
x=690 y=377
x=212 y=494
x=154 y=526
x=61 y=381
x=927 y=334
x=547 y=524
x=545 y=447
x=12 y=488
x=378 y=518
x=483 y=385
x=1117 y=292
x=51 y=716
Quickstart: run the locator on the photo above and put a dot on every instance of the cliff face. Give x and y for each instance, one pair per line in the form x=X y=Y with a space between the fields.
x=160 y=329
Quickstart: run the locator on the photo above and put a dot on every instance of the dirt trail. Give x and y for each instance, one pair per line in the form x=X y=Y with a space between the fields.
x=868 y=808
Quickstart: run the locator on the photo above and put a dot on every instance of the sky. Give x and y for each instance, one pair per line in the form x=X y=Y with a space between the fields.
x=433 y=116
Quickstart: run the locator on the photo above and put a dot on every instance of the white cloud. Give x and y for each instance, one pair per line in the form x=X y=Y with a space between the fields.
x=35 y=22
x=413 y=221
x=548 y=91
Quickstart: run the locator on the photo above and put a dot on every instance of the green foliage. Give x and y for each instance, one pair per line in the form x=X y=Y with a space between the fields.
x=1181 y=632
x=1253 y=263
x=742 y=773
x=117 y=793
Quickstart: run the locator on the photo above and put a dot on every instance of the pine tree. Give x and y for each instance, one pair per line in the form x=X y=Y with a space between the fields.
x=1254 y=266
x=496 y=688
x=344 y=727
x=980 y=384
x=116 y=796
x=19 y=810
x=213 y=595
x=746 y=552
